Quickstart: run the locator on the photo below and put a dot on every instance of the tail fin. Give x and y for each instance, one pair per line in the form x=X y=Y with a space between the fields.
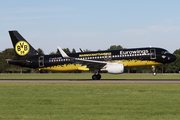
x=21 y=46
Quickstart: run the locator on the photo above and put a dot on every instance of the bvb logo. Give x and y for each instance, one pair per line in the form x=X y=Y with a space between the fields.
x=22 y=48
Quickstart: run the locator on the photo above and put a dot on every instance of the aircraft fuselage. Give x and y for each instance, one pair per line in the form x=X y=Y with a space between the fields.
x=129 y=57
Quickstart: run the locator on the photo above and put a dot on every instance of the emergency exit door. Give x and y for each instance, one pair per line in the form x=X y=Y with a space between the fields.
x=153 y=54
x=41 y=61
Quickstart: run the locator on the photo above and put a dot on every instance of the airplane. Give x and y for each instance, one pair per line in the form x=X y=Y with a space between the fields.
x=112 y=61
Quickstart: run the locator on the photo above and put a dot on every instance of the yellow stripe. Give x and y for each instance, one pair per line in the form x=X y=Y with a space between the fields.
x=137 y=63
x=127 y=63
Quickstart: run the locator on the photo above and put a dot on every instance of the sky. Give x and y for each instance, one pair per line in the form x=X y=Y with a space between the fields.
x=91 y=24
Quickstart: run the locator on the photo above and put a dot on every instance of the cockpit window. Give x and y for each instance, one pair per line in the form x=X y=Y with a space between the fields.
x=165 y=52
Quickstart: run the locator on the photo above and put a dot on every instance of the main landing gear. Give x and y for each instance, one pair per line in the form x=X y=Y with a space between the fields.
x=154 y=70
x=96 y=75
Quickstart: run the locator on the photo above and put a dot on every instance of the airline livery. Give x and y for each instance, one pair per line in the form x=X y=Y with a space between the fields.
x=112 y=61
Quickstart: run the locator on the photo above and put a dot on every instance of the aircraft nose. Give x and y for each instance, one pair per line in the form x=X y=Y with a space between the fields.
x=173 y=58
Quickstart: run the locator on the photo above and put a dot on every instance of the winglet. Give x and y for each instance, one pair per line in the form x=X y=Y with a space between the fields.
x=81 y=50
x=63 y=53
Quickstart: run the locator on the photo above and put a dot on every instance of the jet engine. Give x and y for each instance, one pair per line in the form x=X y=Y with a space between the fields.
x=115 y=68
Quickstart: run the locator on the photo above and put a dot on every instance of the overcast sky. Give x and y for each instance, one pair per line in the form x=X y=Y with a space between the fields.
x=91 y=24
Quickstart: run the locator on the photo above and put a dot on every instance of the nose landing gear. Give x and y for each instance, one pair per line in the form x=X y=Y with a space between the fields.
x=154 y=70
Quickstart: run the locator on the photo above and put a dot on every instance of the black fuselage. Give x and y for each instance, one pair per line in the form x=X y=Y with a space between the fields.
x=154 y=54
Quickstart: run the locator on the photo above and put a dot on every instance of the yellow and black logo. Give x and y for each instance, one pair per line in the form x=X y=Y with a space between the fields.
x=22 y=48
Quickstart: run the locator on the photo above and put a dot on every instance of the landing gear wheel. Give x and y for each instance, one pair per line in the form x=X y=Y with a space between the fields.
x=94 y=77
x=98 y=76
x=154 y=74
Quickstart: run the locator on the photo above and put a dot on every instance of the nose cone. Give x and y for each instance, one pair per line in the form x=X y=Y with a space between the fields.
x=172 y=58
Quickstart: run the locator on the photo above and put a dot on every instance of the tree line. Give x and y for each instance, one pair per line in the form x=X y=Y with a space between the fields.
x=9 y=53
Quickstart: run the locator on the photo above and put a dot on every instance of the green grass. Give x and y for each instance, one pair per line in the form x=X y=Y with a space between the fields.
x=88 y=76
x=89 y=101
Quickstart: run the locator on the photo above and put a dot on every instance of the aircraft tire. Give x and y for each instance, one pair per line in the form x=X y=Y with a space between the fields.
x=94 y=77
x=98 y=76
x=154 y=74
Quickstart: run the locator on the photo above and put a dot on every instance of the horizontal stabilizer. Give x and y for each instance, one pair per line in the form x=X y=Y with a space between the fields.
x=16 y=60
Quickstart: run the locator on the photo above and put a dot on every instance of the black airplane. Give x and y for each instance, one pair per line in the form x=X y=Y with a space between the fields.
x=112 y=61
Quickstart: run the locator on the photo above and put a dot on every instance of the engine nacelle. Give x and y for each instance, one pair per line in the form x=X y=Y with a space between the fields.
x=115 y=68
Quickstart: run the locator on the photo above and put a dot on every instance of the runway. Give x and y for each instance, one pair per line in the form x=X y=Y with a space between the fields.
x=121 y=81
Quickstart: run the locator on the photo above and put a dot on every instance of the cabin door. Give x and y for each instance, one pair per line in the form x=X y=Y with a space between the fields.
x=153 y=54
x=41 y=61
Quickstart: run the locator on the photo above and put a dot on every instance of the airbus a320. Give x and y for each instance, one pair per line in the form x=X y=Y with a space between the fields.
x=112 y=61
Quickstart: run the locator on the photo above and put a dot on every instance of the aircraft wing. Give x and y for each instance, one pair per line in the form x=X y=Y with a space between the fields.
x=89 y=63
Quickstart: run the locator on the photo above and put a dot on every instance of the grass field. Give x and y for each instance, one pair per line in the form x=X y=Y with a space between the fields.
x=88 y=76
x=89 y=101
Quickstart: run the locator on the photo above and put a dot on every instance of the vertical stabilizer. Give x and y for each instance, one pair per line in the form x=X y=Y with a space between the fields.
x=21 y=46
